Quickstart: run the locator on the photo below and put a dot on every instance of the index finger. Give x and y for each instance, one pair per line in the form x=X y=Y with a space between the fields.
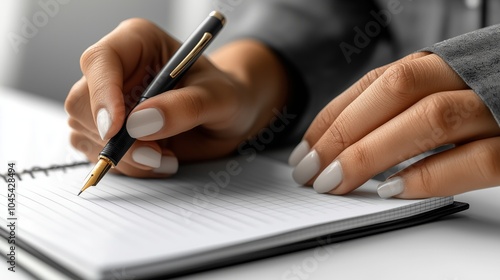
x=115 y=64
x=330 y=112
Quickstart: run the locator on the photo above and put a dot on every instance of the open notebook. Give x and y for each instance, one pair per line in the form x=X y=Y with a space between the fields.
x=208 y=215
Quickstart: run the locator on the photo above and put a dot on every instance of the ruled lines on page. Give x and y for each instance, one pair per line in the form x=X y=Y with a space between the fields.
x=205 y=206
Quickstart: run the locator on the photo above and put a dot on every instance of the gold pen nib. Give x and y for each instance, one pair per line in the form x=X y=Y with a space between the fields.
x=99 y=170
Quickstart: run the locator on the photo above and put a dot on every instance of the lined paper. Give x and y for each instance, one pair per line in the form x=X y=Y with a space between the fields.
x=132 y=222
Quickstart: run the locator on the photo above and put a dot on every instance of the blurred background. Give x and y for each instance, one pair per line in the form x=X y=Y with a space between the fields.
x=42 y=40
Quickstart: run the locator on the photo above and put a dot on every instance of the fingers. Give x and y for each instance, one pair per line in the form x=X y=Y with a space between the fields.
x=325 y=118
x=400 y=86
x=469 y=167
x=144 y=159
x=116 y=70
x=439 y=119
x=117 y=63
x=180 y=110
x=77 y=105
x=329 y=113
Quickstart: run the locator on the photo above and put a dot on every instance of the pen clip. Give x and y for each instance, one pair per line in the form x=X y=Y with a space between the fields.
x=192 y=54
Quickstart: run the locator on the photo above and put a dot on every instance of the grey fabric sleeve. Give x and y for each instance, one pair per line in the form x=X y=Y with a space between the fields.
x=475 y=56
x=306 y=35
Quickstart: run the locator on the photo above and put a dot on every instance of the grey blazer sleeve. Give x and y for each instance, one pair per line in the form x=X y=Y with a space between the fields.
x=306 y=35
x=475 y=56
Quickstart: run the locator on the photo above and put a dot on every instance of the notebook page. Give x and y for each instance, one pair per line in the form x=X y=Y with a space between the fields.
x=126 y=221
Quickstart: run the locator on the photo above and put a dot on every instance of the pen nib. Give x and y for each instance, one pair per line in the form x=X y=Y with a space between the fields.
x=99 y=170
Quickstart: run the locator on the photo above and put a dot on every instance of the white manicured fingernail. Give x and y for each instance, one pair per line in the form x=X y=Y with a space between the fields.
x=103 y=122
x=329 y=179
x=299 y=153
x=169 y=165
x=144 y=122
x=391 y=187
x=307 y=168
x=147 y=156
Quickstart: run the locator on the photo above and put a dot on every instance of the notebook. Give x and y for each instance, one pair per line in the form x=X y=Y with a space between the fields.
x=210 y=214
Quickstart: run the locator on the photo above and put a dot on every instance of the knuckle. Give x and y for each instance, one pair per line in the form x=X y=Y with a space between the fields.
x=136 y=23
x=486 y=159
x=369 y=78
x=414 y=56
x=73 y=123
x=325 y=118
x=74 y=101
x=401 y=72
x=424 y=179
x=140 y=29
x=400 y=78
x=69 y=104
x=436 y=112
x=361 y=156
x=339 y=136
x=91 y=56
x=129 y=27
x=81 y=143
x=73 y=139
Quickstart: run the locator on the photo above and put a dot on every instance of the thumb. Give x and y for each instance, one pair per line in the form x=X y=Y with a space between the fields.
x=465 y=168
x=174 y=112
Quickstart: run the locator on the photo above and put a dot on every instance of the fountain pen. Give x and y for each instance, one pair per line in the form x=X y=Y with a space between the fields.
x=165 y=80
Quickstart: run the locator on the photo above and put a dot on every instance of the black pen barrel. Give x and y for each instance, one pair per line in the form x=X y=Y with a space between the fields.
x=168 y=77
x=164 y=80
x=118 y=145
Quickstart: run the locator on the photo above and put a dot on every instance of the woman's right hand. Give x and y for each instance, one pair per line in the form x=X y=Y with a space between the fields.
x=215 y=107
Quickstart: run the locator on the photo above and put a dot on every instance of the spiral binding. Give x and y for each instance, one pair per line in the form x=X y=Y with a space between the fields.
x=45 y=170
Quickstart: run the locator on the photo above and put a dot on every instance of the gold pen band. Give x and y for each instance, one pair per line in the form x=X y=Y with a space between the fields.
x=218 y=15
x=106 y=165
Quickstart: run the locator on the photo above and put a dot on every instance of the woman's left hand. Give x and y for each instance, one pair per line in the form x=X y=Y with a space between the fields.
x=394 y=113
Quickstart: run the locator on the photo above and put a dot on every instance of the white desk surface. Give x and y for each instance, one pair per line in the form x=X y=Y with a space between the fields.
x=458 y=247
